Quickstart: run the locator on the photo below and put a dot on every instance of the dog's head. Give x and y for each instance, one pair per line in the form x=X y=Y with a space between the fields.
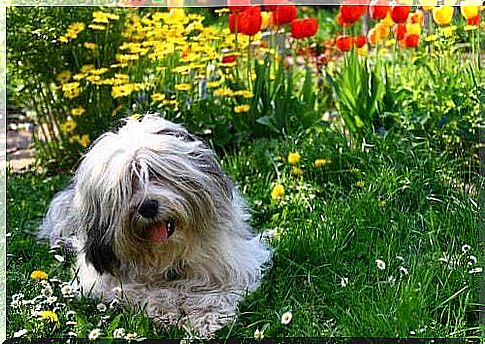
x=150 y=186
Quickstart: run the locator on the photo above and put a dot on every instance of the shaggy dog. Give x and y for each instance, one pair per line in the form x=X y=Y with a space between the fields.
x=151 y=212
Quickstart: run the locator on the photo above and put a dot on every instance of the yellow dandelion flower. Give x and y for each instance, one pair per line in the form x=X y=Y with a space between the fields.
x=71 y=90
x=63 y=76
x=79 y=76
x=244 y=93
x=74 y=138
x=38 y=275
x=136 y=116
x=63 y=39
x=68 y=126
x=242 y=108
x=296 y=171
x=158 y=97
x=76 y=27
x=294 y=158
x=48 y=315
x=78 y=111
x=278 y=192
x=99 y=71
x=321 y=162
x=183 y=87
x=360 y=184
x=122 y=90
x=90 y=45
x=84 y=140
x=93 y=79
x=96 y=27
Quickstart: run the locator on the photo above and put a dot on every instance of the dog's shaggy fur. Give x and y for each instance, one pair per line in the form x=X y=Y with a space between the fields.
x=151 y=212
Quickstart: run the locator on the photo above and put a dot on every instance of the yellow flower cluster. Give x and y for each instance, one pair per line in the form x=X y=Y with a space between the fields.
x=82 y=140
x=72 y=31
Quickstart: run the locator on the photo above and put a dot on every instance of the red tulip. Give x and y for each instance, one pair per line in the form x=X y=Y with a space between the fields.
x=399 y=13
x=400 y=31
x=411 y=41
x=303 y=28
x=344 y=42
x=284 y=14
x=351 y=13
x=378 y=9
x=360 y=41
x=474 y=21
x=247 y=22
x=229 y=59
x=238 y=5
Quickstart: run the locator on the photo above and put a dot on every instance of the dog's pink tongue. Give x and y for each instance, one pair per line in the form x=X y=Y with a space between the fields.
x=158 y=233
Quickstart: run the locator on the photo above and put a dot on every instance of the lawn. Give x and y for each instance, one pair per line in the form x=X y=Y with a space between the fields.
x=380 y=241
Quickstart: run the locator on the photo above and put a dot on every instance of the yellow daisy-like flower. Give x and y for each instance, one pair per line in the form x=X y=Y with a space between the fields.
x=122 y=90
x=360 y=184
x=99 y=71
x=63 y=39
x=90 y=45
x=48 y=315
x=84 y=140
x=321 y=162
x=68 y=126
x=76 y=27
x=294 y=158
x=296 y=171
x=242 y=108
x=158 y=97
x=96 y=27
x=214 y=84
x=183 y=87
x=244 y=93
x=38 y=275
x=71 y=90
x=63 y=76
x=78 y=111
x=278 y=192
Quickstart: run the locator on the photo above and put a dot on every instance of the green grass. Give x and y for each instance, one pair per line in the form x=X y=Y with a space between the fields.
x=394 y=201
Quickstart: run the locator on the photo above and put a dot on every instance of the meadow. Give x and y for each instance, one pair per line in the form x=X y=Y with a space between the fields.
x=359 y=160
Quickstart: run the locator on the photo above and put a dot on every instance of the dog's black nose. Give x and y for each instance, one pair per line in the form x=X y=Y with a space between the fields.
x=149 y=208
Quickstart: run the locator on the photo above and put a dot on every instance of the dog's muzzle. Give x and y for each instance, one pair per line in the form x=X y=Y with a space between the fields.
x=159 y=231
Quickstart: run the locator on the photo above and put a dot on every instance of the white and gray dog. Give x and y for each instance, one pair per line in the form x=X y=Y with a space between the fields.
x=151 y=212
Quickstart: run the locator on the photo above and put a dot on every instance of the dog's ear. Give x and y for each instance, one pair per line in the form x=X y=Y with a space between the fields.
x=99 y=251
x=210 y=166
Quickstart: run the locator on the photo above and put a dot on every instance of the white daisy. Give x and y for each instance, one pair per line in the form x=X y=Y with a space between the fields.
x=473 y=260
x=72 y=334
x=94 y=334
x=344 y=281
x=20 y=333
x=286 y=318
x=71 y=314
x=71 y=323
x=403 y=270
x=47 y=291
x=119 y=333
x=258 y=335
x=101 y=307
x=465 y=248
x=400 y=258
x=381 y=265
x=476 y=271
x=67 y=290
